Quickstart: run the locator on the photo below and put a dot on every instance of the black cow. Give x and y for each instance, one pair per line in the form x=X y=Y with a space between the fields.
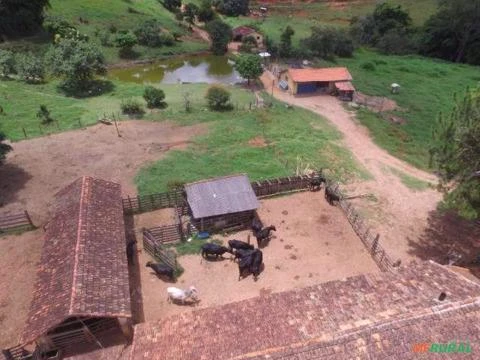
x=316 y=183
x=241 y=253
x=214 y=249
x=237 y=244
x=251 y=262
x=256 y=266
x=331 y=196
x=256 y=225
x=131 y=251
x=264 y=234
x=162 y=270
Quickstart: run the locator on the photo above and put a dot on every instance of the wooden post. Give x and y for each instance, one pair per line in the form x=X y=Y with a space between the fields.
x=139 y=203
x=116 y=126
x=29 y=219
x=79 y=123
x=24 y=132
x=130 y=203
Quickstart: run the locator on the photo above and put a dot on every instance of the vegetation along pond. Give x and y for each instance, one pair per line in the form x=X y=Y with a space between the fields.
x=187 y=69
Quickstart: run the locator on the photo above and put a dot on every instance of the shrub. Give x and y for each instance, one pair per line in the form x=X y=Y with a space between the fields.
x=59 y=28
x=368 y=66
x=218 y=98
x=105 y=38
x=44 y=115
x=234 y=7
x=167 y=39
x=31 y=68
x=326 y=42
x=171 y=4
x=148 y=33
x=154 y=97
x=132 y=107
x=206 y=13
x=7 y=63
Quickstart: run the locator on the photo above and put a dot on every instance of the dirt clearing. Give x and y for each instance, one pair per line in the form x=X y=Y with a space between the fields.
x=38 y=168
x=313 y=243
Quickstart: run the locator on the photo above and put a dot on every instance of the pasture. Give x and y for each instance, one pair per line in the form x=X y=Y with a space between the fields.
x=313 y=243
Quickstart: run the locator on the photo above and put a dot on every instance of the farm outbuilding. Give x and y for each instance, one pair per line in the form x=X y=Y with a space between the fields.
x=221 y=203
x=345 y=90
x=305 y=81
x=81 y=297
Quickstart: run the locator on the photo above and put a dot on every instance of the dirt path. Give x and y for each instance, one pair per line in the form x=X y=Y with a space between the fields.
x=38 y=168
x=202 y=34
x=400 y=214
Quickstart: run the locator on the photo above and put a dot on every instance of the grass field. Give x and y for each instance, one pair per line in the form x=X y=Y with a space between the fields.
x=21 y=103
x=102 y=14
x=302 y=16
x=427 y=89
x=289 y=137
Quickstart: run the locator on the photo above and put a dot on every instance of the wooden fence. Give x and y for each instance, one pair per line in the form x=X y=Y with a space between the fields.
x=144 y=203
x=166 y=234
x=158 y=251
x=20 y=221
x=277 y=186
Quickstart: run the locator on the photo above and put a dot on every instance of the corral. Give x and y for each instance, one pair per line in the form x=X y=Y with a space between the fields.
x=313 y=243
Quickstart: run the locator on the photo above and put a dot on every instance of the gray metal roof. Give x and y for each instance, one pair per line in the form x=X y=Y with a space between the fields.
x=219 y=196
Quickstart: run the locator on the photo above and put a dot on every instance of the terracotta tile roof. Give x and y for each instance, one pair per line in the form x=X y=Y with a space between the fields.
x=83 y=268
x=219 y=196
x=242 y=30
x=375 y=316
x=323 y=74
x=344 y=86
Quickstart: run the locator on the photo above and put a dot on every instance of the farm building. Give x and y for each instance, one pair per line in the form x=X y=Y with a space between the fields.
x=82 y=297
x=305 y=81
x=220 y=203
x=241 y=32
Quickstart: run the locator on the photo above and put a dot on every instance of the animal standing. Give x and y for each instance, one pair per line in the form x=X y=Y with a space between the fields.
x=316 y=183
x=131 y=251
x=214 y=249
x=237 y=244
x=176 y=294
x=256 y=225
x=252 y=262
x=331 y=196
x=240 y=253
x=162 y=270
x=264 y=234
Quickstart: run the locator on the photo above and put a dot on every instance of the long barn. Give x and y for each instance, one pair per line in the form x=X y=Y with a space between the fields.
x=305 y=81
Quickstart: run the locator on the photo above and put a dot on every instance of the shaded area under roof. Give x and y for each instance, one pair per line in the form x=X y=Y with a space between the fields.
x=344 y=86
x=220 y=196
x=322 y=74
x=83 y=269
x=374 y=316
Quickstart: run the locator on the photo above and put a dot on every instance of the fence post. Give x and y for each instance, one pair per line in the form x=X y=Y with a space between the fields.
x=24 y=132
x=28 y=218
x=130 y=203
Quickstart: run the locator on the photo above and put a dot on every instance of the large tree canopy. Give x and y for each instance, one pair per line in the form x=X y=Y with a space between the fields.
x=456 y=154
x=220 y=34
x=453 y=33
x=19 y=17
x=249 y=66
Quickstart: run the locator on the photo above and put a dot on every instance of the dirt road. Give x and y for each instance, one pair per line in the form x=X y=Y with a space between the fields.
x=400 y=212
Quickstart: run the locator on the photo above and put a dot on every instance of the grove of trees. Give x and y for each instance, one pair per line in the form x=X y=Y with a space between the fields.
x=21 y=17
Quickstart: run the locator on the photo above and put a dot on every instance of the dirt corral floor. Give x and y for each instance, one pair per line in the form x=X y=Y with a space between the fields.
x=40 y=167
x=18 y=258
x=313 y=243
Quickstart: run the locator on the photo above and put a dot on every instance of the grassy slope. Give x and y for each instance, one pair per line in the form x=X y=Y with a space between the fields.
x=21 y=102
x=302 y=16
x=293 y=135
x=102 y=14
x=427 y=88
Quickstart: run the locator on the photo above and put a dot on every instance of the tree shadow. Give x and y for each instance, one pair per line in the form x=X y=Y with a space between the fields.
x=12 y=179
x=89 y=89
x=445 y=234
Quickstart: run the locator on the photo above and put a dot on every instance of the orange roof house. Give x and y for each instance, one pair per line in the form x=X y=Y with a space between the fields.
x=302 y=81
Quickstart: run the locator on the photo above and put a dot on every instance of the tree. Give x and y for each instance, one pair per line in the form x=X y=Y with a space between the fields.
x=218 y=98
x=234 y=7
x=456 y=154
x=4 y=148
x=21 y=17
x=125 y=41
x=7 y=63
x=154 y=97
x=285 y=47
x=206 y=13
x=191 y=10
x=77 y=61
x=453 y=33
x=148 y=33
x=31 y=68
x=44 y=115
x=220 y=34
x=326 y=42
x=171 y=4
x=249 y=66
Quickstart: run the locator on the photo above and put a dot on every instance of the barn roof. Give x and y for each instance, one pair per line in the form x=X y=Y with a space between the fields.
x=344 y=86
x=243 y=31
x=373 y=316
x=323 y=74
x=219 y=196
x=83 y=269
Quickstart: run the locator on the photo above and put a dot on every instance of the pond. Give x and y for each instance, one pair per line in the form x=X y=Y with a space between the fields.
x=187 y=69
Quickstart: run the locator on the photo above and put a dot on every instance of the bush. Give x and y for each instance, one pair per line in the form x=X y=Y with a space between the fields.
x=44 y=115
x=218 y=98
x=31 y=68
x=105 y=38
x=220 y=34
x=206 y=13
x=132 y=107
x=154 y=97
x=326 y=42
x=148 y=33
x=171 y=4
x=234 y=7
x=7 y=63
x=59 y=28
x=368 y=66
x=167 y=39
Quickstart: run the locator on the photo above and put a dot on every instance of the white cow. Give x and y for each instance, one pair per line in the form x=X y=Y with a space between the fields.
x=179 y=294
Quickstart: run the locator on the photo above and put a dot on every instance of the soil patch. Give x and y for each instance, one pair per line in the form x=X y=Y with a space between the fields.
x=258 y=141
x=376 y=103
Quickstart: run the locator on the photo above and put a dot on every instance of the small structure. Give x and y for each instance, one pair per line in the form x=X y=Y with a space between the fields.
x=241 y=32
x=345 y=90
x=304 y=81
x=395 y=88
x=81 y=298
x=221 y=203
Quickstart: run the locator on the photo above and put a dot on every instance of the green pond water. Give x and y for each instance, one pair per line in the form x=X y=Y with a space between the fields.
x=186 y=69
